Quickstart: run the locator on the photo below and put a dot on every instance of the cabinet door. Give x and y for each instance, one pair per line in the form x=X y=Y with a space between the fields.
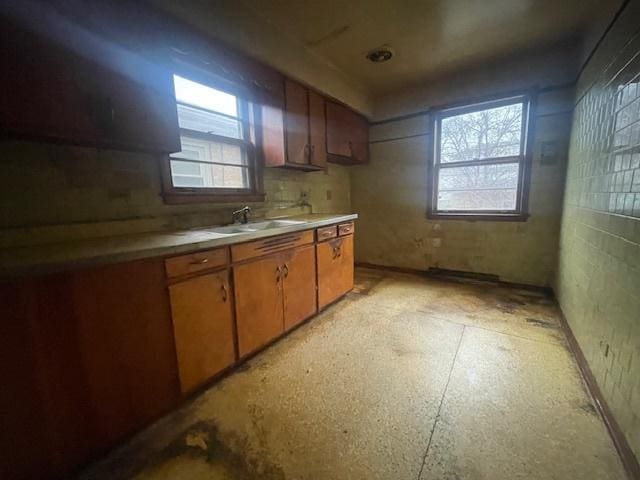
x=317 y=130
x=335 y=269
x=203 y=327
x=39 y=96
x=299 y=285
x=360 y=139
x=338 y=124
x=297 y=123
x=51 y=91
x=259 y=303
x=144 y=111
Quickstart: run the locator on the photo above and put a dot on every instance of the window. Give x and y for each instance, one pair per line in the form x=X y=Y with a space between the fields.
x=480 y=162
x=216 y=158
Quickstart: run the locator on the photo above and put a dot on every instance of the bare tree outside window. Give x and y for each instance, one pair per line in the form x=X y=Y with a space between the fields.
x=479 y=155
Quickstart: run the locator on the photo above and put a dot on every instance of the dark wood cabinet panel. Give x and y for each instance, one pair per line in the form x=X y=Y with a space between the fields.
x=297 y=123
x=93 y=361
x=299 y=271
x=203 y=327
x=89 y=93
x=258 y=299
x=347 y=135
x=338 y=124
x=335 y=269
x=317 y=130
x=360 y=139
x=126 y=345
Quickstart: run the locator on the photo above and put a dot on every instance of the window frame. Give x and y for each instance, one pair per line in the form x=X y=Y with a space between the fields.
x=520 y=213
x=255 y=192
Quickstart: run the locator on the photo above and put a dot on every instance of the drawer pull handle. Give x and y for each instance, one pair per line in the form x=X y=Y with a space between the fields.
x=202 y=261
x=225 y=295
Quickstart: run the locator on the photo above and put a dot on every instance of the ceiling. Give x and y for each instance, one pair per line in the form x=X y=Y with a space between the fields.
x=430 y=37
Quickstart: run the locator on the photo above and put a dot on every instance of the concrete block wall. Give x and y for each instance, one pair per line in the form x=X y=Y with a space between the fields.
x=51 y=193
x=598 y=282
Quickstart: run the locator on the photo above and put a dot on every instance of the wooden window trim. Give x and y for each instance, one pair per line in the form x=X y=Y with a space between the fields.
x=520 y=214
x=186 y=195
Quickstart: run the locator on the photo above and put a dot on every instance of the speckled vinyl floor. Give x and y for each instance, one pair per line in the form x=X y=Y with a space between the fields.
x=406 y=378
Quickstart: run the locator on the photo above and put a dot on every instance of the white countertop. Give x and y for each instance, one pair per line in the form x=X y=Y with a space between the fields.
x=58 y=257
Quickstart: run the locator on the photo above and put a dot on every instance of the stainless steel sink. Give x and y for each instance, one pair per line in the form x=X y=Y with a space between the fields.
x=254 y=227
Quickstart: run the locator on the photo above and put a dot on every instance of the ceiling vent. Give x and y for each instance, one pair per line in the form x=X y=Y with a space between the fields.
x=380 y=54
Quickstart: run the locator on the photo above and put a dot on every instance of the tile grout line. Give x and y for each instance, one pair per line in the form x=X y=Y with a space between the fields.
x=446 y=387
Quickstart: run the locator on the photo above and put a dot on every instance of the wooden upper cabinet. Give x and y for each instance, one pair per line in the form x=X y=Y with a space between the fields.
x=295 y=136
x=299 y=285
x=85 y=94
x=203 y=327
x=258 y=295
x=297 y=123
x=317 y=130
x=335 y=269
x=347 y=135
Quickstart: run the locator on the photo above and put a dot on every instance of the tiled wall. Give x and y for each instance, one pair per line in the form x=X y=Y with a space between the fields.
x=598 y=282
x=606 y=139
x=389 y=194
x=55 y=193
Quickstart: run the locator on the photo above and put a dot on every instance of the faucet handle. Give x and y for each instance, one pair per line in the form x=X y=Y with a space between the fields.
x=244 y=211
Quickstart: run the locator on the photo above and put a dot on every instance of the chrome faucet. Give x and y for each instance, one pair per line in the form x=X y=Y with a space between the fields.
x=242 y=215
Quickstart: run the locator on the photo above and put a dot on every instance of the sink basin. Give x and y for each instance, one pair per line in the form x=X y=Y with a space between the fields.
x=254 y=227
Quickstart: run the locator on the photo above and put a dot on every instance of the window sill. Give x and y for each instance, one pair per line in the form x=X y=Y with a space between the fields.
x=480 y=217
x=184 y=198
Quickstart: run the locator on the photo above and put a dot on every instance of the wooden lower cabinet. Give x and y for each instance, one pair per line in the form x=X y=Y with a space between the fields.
x=203 y=327
x=87 y=359
x=258 y=295
x=273 y=294
x=335 y=269
x=299 y=285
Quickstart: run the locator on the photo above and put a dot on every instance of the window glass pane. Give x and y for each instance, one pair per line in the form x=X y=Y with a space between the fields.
x=481 y=187
x=494 y=132
x=208 y=122
x=203 y=96
x=207 y=151
x=194 y=175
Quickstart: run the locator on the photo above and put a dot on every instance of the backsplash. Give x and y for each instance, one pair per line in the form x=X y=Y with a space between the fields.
x=51 y=193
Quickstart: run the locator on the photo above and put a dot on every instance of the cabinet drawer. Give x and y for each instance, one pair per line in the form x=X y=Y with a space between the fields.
x=326 y=233
x=270 y=245
x=345 y=229
x=196 y=262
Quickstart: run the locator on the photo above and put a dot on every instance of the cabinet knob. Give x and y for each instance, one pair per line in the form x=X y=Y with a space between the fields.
x=278 y=273
x=286 y=270
x=225 y=294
